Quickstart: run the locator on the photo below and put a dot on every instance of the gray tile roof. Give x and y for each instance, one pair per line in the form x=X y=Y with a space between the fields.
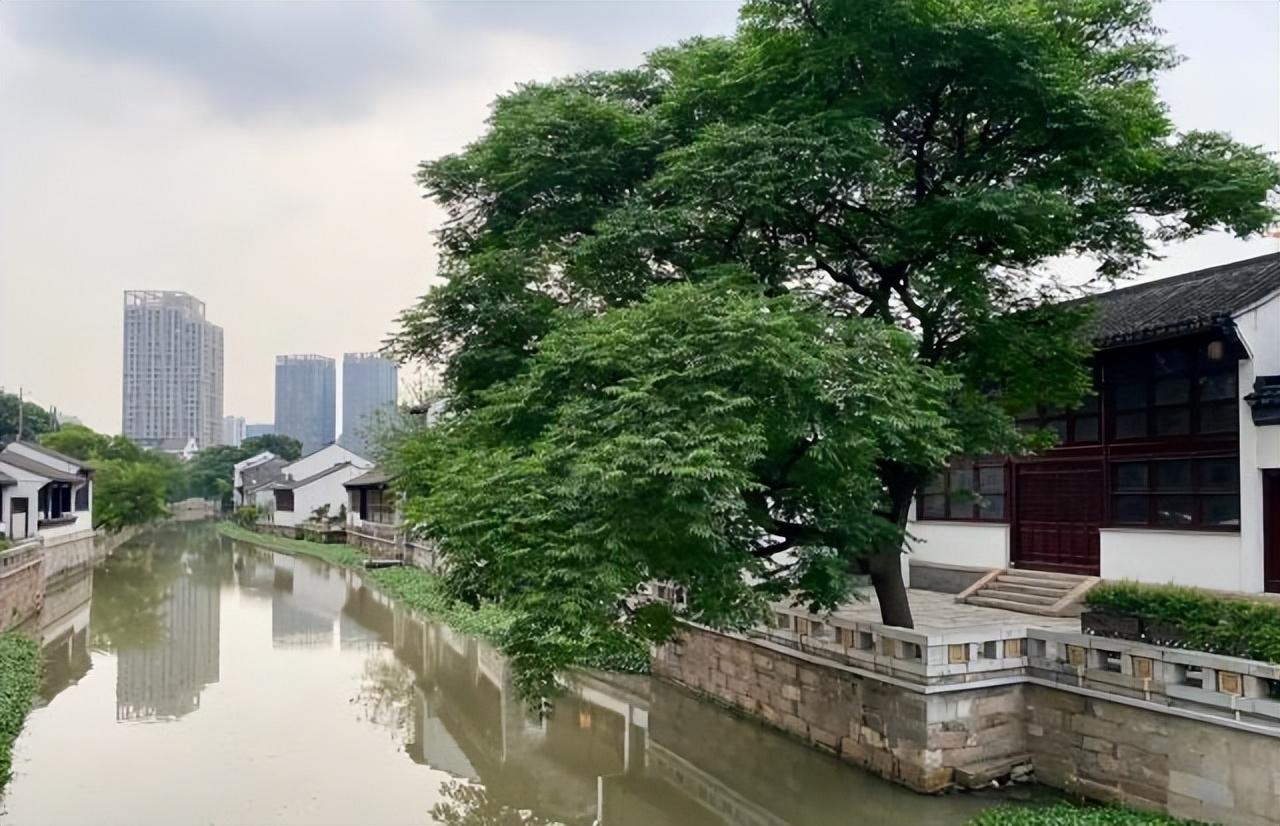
x=371 y=478
x=53 y=454
x=263 y=474
x=1186 y=303
x=294 y=484
x=32 y=466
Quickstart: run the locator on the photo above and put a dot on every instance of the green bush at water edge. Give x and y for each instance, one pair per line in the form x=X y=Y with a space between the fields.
x=424 y=592
x=1236 y=627
x=19 y=679
x=1064 y=814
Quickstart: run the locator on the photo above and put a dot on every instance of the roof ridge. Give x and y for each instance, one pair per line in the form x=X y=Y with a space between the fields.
x=1188 y=276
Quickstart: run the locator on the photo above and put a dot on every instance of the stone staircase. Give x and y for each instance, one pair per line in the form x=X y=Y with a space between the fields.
x=1042 y=593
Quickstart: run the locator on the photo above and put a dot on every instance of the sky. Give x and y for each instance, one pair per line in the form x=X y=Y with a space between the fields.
x=261 y=158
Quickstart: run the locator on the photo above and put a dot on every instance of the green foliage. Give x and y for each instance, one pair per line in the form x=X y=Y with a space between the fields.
x=128 y=493
x=1064 y=814
x=286 y=447
x=210 y=471
x=887 y=164
x=76 y=441
x=19 y=681
x=1234 y=626
x=35 y=419
x=344 y=556
x=246 y=515
x=688 y=438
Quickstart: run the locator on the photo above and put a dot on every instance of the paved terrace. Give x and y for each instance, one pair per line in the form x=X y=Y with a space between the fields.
x=937 y=613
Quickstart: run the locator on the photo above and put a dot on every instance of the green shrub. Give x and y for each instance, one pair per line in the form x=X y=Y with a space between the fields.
x=246 y=515
x=1234 y=626
x=1064 y=814
x=19 y=679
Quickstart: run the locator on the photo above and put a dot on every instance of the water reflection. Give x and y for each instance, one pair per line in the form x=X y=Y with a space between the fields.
x=272 y=674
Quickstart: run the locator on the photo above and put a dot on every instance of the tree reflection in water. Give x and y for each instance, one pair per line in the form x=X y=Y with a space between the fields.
x=131 y=592
x=469 y=805
x=387 y=693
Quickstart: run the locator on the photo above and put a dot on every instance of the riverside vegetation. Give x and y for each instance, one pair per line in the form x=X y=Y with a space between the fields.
x=425 y=593
x=1065 y=814
x=19 y=680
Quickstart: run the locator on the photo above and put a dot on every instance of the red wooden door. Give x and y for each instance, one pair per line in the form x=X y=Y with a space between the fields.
x=1271 y=531
x=1058 y=507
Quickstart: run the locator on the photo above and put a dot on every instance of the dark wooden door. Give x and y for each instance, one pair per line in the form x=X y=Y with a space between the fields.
x=1057 y=510
x=1271 y=531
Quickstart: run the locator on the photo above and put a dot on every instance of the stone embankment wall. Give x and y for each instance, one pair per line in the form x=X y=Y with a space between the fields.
x=1107 y=751
x=926 y=742
x=21 y=583
x=931 y=737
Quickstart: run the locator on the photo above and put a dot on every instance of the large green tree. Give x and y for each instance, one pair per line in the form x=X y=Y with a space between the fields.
x=35 y=419
x=910 y=163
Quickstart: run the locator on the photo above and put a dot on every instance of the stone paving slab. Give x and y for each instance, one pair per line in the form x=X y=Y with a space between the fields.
x=938 y=613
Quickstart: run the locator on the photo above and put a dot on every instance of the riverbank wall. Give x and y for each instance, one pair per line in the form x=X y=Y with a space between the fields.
x=1111 y=721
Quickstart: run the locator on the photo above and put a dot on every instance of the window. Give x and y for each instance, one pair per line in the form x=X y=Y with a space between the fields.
x=284 y=500
x=1173 y=392
x=1192 y=494
x=968 y=490
x=82 y=497
x=1077 y=426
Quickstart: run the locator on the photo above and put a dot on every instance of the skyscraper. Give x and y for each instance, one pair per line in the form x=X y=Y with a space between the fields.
x=232 y=430
x=369 y=385
x=172 y=370
x=306 y=403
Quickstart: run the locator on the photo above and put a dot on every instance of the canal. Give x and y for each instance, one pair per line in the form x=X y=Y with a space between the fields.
x=192 y=679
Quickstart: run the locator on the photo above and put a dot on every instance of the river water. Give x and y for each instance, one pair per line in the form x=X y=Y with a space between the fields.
x=191 y=679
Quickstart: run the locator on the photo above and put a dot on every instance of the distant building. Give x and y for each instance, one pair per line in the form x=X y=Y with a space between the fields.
x=233 y=430
x=172 y=369
x=314 y=480
x=254 y=430
x=306 y=404
x=369 y=386
x=43 y=493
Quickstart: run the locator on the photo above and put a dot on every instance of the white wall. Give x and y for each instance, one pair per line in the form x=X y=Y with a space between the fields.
x=327 y=490
x=1259 y=330
x=325 y=457
x=966 y=544
x=1200 y=559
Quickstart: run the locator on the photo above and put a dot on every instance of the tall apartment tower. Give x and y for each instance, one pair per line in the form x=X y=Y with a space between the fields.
x=233 y=430
x=306 y=402
x=370 y=383
x=172 y=370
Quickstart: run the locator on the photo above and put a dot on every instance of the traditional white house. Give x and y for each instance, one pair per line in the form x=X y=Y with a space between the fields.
x=371 y=500
x=253 y=473
x=1168 y=473
x=309 y=483
x=43 y=493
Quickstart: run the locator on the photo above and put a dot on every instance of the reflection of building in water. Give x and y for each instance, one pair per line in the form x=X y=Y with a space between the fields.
x=64 y=632
x=304 y=604
x=164 y=680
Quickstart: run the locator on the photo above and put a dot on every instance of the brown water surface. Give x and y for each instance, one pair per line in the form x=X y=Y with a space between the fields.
x=190 y=679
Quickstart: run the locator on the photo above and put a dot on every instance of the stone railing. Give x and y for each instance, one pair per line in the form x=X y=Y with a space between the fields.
x=1229 y=687
x=961 y=656
x=21 y=582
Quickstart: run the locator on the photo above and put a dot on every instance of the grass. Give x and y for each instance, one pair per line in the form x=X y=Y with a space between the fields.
x=1066 y=814
x=19 y=680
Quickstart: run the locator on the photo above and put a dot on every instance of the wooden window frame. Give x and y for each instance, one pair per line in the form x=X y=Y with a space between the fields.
x=1152 y=490
x=1129 y=372
x=970 y=511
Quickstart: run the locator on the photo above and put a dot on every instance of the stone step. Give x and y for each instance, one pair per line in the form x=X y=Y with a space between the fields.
x=1027 y=572
x=1010 y=605
x=1047 y=585
x=996 y=592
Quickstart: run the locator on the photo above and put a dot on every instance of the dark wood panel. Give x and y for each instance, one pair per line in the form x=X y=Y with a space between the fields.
x=1058 y=509
x=1271 y=531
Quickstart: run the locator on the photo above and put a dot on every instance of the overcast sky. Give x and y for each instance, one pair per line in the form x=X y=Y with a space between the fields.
x=261 y=157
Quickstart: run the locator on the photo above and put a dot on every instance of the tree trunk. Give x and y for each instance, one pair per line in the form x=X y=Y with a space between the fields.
x=885 y=565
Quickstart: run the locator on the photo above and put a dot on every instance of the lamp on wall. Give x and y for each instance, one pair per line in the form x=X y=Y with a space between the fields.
x=1216 y=350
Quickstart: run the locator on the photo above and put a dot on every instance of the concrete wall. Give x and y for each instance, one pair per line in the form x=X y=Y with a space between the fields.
x=1201 y=559
x=918 y=740
x=965 y=544
x=324 y=491
x=69 y=552
x=1108 y=751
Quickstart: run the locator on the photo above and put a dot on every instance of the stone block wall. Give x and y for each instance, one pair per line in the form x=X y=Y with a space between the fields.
x=1109 y=751
x=21 y=584
x=69 y=553
x=924 y=742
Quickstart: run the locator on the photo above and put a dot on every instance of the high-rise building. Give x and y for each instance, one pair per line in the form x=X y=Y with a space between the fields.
x=306 y=403
x=172 y=370
x=369 y=385
x=232 y=430
x=265 y=429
